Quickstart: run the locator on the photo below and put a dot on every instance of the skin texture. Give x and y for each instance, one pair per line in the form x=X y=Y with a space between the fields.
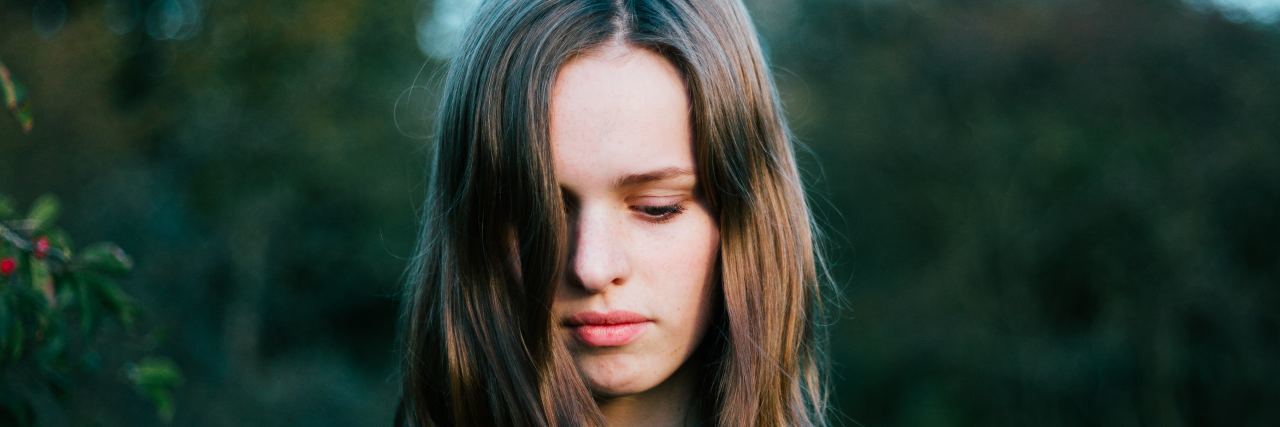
x=648 y=245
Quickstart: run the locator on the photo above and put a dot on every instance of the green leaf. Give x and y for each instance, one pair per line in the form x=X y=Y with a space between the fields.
x=59 y=240
x=113 y=299
x=42 y=280
x=30 y=310
x=156 y=378
x=157 y=372
x=88 y=313
x=44 y=211
x=51 y=353
x=119 y=303
x=14 y=97
x=29 y=301
x=105 y=257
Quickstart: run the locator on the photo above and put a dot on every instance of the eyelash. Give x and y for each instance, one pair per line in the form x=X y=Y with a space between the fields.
x=659 y=214
x=653 y=213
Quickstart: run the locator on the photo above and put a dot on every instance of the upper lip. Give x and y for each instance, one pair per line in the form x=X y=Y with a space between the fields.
x=615 y=317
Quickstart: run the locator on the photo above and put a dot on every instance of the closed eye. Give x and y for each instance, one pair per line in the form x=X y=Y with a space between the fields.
x=659 y=213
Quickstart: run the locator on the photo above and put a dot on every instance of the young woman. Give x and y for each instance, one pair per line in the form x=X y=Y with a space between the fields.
x=615 y=230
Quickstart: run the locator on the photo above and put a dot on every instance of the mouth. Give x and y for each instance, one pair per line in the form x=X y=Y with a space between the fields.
x=607 y=329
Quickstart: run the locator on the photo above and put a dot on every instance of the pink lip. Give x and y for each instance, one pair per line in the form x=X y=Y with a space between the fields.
x=607 y=329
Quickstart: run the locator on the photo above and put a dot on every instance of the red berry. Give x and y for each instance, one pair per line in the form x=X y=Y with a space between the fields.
x=7 y=266
x=42 y=247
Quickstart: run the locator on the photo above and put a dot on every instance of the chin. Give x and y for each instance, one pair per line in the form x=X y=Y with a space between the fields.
x=617 y=375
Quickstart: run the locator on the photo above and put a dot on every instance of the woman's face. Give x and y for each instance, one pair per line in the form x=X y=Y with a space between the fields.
x=638 y=296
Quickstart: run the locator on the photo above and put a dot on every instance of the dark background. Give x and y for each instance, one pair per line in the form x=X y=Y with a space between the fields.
x=1044 y=212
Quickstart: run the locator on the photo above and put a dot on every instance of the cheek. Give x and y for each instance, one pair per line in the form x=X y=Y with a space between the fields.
x=685 y=246
x=680 y=265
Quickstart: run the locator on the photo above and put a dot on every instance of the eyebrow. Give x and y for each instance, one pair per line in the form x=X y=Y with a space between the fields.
x=663 y=174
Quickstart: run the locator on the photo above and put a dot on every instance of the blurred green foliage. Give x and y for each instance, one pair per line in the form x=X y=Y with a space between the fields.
x=1051 y=212
x=13 y=94
x=52 y=302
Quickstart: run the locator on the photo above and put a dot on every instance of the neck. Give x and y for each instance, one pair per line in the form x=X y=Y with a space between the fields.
x=670 y=404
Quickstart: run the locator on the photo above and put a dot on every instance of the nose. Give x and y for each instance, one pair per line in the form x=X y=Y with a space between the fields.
x=598 y=251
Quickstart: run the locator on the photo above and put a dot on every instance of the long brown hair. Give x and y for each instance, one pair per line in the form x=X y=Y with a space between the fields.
x=478 y=347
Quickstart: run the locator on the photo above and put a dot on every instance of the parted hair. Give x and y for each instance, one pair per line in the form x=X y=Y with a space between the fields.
x=476 y=333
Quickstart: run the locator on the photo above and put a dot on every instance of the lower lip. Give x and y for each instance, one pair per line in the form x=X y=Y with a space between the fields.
x=609 y=335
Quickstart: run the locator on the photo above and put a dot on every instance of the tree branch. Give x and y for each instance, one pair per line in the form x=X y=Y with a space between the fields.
x=10 y=235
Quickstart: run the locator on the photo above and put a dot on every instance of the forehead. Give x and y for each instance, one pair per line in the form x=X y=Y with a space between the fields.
x=618 y=110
